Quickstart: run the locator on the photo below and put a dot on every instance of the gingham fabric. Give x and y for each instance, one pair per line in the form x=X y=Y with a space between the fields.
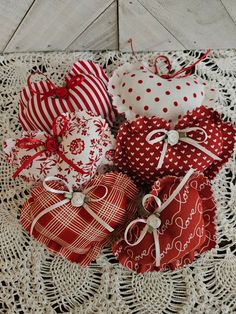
x=37 y=109
x=71 y=231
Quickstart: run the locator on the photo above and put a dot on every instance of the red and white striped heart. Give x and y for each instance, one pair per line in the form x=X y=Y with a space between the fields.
x=85 y=89
x=137 y=91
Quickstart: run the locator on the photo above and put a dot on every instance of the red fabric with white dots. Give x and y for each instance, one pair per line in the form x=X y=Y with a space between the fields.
x=136 y=157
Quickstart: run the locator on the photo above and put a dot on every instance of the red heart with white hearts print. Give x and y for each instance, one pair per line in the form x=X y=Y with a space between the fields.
x=200 y=140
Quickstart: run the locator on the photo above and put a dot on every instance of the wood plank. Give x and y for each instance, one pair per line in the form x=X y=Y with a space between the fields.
x=230 y=6
x=196 y=23
x=54 y=24
x=11 y=14
x=101 y=34
x=147 y=33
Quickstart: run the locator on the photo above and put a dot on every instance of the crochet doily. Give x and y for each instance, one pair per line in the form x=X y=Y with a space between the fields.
x=35 y=281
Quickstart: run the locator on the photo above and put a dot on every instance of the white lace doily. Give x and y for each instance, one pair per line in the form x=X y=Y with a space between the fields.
x=34 y=281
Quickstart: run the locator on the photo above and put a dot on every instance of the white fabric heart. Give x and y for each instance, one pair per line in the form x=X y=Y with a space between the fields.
x=137 y=91
x=85 y=145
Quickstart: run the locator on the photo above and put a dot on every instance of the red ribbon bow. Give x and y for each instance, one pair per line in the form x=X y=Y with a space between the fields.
x=51 y=145
x=54 y=91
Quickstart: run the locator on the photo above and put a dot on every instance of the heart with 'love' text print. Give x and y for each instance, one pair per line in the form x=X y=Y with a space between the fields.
x=177 y=223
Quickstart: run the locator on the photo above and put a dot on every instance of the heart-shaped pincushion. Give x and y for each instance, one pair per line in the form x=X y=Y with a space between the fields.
x=187 y=227
x=86 y=89
x=139 y=156
x=137 y=91
x=83 y=140
x=72 y=232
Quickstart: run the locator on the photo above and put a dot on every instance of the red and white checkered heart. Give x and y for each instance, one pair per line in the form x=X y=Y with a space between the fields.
x=186 y=227
x=82 y=223
x=86 y=89
x=137 y=91
x=80 y=145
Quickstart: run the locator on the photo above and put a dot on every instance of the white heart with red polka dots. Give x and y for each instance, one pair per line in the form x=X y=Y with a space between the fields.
x=137 y=91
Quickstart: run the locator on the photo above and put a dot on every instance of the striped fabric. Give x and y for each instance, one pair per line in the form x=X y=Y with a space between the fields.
x=37 y=112
x=71 y=231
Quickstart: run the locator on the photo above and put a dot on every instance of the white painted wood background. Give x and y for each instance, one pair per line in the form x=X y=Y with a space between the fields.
x=48 y=25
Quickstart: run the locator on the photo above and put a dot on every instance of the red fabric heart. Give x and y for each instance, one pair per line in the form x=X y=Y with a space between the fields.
x=71 y=231
x=139 y=158
x=86 y=89
x=187 y=227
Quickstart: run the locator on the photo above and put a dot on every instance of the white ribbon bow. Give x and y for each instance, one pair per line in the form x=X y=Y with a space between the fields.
x=172 y=137
x=77 y=199
x=153 y=222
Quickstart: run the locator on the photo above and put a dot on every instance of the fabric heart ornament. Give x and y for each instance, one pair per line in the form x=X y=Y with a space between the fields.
x=148 y=148
x=78 y=224
x=81 y=143
x=178 y=223
x=85 y=88
x=138 y=90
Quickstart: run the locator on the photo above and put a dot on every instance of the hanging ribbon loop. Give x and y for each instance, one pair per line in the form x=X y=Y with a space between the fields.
x=186 y=71
x=51 y=145
x=172 y=137
x=77 y=199
x=153 y=222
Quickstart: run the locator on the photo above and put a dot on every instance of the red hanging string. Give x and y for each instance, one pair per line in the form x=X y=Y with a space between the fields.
x=170 y=74
x=130 y=41
x=50 y=145
x=187 y=70
x=169 y=66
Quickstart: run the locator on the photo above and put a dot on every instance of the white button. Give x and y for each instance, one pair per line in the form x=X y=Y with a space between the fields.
x=154 y=221
x=173 y=137
x=77 y=199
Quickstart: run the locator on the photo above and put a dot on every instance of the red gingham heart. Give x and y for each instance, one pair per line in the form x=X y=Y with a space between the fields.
x=70 y=230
